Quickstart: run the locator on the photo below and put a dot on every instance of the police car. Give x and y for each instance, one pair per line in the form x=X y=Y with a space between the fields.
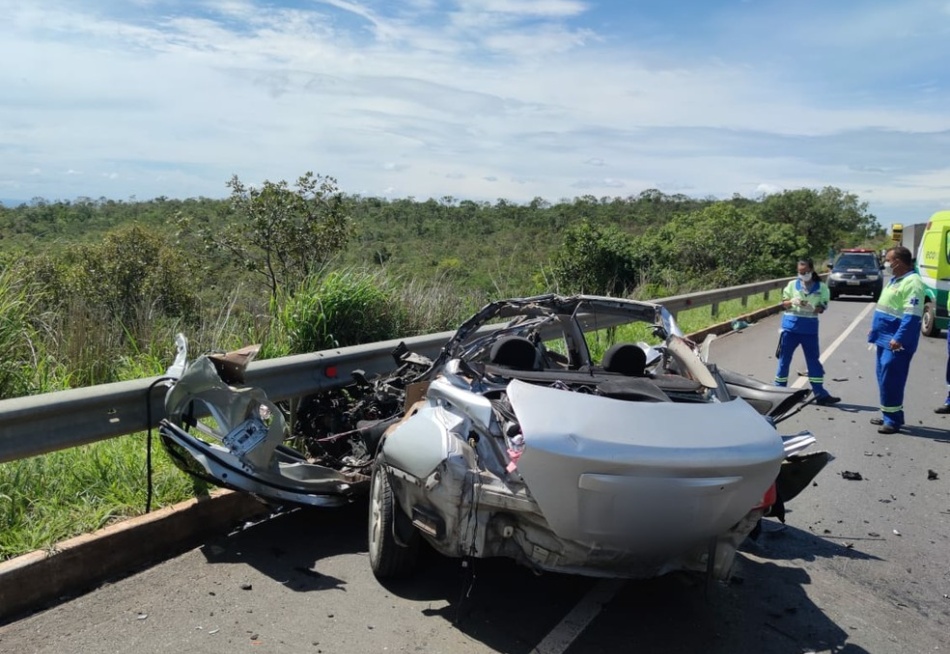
x=856 y=272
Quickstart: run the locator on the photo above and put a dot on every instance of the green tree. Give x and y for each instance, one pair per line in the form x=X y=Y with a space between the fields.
x=721 y=245
x=596 y=259
x=133 y=274
x=824 y=218
x=285 y=235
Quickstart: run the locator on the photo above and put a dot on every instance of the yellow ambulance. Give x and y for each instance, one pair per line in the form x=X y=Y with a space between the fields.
x=933 y=265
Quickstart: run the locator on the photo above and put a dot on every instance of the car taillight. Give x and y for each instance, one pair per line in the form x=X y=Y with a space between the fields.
x=768 y=499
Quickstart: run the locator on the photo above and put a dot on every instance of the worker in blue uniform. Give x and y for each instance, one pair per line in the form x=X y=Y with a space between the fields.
x=895 y=330
x=804 y=299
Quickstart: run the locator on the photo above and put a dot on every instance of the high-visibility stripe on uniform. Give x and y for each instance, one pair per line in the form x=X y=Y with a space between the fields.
x=898 y=311
x=803 y=317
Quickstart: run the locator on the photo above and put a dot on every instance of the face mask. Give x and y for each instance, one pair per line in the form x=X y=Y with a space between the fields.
x=805 y=278
x=887 y=267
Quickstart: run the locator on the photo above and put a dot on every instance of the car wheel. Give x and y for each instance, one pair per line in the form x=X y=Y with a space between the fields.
x=387 y=558
x=833 y=295
x=928 y=322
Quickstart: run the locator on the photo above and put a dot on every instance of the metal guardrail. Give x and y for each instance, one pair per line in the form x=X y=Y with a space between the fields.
x=38 y=424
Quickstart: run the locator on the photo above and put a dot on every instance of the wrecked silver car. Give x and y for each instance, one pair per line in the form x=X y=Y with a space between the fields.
x=575 y=434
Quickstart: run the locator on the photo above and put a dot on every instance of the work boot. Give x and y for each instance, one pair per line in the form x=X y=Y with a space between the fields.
x=828 y=400
x=943 y=408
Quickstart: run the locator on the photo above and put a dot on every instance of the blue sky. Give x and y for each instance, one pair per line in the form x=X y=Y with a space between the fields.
x=479 y=99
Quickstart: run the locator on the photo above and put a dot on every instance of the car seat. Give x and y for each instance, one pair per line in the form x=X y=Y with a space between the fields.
x=514 y=352
x=625 y=358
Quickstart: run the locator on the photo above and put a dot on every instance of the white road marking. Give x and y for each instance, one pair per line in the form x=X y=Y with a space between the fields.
x=574 y=623
x=801 y=381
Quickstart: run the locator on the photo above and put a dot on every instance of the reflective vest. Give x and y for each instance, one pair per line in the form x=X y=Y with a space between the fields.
x=803 y=318
x=898 y=311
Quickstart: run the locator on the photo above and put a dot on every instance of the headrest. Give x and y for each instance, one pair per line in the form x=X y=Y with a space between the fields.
x=514 y=352
x=625 y=358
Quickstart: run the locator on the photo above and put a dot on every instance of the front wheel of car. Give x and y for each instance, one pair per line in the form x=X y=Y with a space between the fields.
x=387 y=558
x=928 y=322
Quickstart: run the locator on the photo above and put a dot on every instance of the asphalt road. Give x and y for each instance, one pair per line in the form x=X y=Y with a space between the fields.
x=861 y=566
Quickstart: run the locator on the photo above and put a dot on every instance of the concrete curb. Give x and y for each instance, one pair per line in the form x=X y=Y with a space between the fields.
x=37 y=579
x=33 y=580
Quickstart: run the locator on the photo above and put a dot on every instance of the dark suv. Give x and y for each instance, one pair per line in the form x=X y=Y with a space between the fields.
x=856 y=272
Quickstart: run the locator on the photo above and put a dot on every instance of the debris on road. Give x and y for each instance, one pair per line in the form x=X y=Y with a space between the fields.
x=931 y=475
x=851 y=476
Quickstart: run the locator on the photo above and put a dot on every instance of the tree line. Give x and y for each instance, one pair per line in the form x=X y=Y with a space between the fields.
x=299 y=266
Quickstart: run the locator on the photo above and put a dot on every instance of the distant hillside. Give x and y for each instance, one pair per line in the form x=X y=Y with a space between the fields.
x=496 y=248
x=492 y=247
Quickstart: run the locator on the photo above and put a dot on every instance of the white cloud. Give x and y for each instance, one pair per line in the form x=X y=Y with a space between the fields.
x=533 y=8
x=482 y=99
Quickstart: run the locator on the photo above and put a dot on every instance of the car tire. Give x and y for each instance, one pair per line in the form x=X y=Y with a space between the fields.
x=387 y=558
x=833 y=296
x=928 y=321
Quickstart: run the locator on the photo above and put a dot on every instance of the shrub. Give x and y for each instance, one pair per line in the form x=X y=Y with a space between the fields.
x=336 y=310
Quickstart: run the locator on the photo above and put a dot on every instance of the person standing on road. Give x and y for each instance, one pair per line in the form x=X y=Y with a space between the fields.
x=945 y=407
x=804 y=299
x=895 y=331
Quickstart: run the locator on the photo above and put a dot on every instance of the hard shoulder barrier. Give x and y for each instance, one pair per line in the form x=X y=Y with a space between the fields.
x=44 y=423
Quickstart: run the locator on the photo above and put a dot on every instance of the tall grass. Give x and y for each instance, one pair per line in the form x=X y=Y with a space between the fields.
x=434 y=306
x=17 y=337
x=335 y=310
x=48 y=498
x=354 y=306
